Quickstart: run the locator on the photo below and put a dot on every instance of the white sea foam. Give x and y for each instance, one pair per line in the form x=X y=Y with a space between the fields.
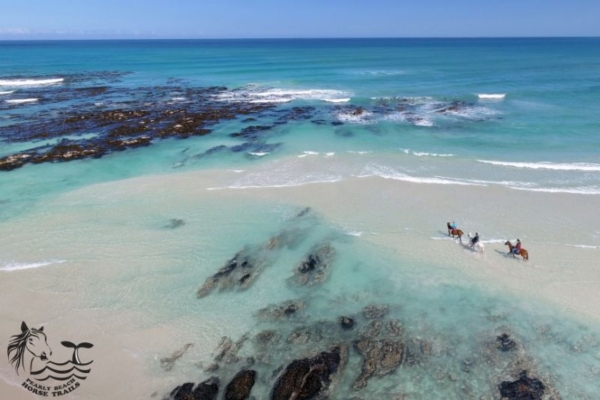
x=365 y=117
x=381 y=72
x=354 y=233
x=178 y=99
x=359 y=152
x=410 y=117
x=491 y=96
x=390 y=173
x=494 y=241
x=278 y=185
x=258 y=154
x=590 y=190
x=7 y=92
x=256 y=94
x=330 y=154
x=424 y=154
x=30 y=82
x=344 y=100
x=21 y=101
x=546 y=165
x=14 y=266
x=583 y=246
x=311 y=153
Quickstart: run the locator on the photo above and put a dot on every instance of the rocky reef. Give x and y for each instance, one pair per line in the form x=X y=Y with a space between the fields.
x=316 y=267
x=246 y=265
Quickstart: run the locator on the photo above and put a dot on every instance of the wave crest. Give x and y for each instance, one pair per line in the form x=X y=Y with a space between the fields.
x=31 y=82
x=8 y=267
x=546 y=165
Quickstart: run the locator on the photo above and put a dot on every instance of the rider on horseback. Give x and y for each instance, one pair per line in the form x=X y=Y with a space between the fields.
x=517 y=248
x=451 y=227
x=475 y=239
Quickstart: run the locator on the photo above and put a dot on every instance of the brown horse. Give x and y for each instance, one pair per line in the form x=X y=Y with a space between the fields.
x=522 y=253
x=454 y=232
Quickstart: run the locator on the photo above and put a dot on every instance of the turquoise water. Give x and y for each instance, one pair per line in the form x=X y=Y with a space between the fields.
x=406 y=109
x=548 y=114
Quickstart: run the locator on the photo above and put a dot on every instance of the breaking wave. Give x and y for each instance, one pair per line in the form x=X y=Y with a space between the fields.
x=21 y=101
x=6 y=92
x=491 y=96
x=546 y=165
x=390 y=173
x=425 y=154
x=8 y=267
x=588 y=190
x=30 y=82
x=252 y=94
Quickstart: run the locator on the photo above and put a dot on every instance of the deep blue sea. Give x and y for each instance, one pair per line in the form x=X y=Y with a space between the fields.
x=513 y=123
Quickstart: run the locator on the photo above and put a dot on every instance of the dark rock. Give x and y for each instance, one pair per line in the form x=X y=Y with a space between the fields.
x=316 y=267
x=15 y=161
x=524 y=388
x=144 y=113
x=337 y=123
x=346 y=323
x=287 y=309
x=247 y=265
x=505 y=343
x=240 y=386
x=252 y=131
x=216 y=149
x=206 y=390
x=306 y=378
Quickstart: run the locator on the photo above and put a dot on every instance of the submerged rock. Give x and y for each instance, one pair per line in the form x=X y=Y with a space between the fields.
x=247 y=265
x=346 y=323
x=175 y=223
x=206 y=390
x=169 y=362
x=505 y=343
x=227 y=350
x=240 y=386
x=316 y=267
x=375 y=312
x=306 y=378
x=380 y=358
x=524 y=388
x=288 y=309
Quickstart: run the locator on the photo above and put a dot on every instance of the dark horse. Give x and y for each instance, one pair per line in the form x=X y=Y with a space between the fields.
x=522 y=253
x=454 y=232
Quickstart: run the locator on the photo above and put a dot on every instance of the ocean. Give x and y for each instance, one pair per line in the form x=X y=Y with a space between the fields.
x=158 y=193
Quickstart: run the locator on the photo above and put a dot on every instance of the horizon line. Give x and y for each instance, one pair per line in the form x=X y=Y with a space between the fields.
x=289 y=38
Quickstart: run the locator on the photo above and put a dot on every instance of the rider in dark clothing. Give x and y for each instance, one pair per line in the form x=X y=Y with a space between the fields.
x=475 y=239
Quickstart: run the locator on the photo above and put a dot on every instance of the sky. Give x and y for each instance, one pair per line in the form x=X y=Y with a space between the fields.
x=216 y=19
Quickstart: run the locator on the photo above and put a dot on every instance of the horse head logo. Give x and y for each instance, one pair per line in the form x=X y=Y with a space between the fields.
x=30 y=341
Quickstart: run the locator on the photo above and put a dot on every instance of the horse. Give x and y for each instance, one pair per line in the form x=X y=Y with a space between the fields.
x=479 y=247
x=454 y=232
x=34 y=341
x=523 y=253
